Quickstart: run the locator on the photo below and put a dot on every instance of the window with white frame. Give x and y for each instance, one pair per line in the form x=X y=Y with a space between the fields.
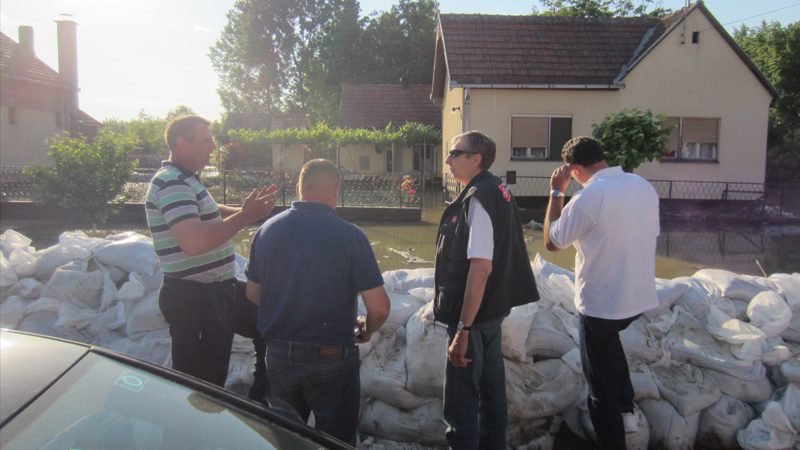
x=539 y=138
x=692 y=139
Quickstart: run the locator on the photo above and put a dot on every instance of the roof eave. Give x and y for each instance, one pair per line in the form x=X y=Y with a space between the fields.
x=601 y=87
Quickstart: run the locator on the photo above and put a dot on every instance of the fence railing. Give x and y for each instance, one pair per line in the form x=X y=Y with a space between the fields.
x=777 y=198
x=232 y=186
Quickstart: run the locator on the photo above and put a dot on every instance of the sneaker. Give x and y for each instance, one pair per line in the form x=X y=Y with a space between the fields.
x=631 y=422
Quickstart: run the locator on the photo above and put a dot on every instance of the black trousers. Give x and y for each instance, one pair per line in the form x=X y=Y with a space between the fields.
x=606 y=371
x=201 y=319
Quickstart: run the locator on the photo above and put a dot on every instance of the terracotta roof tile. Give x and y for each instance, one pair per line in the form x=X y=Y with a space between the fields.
x=375 y=105
x=490 y=49
x=12 y=64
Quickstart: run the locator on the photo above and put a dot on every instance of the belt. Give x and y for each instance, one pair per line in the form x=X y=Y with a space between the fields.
x=307 y=348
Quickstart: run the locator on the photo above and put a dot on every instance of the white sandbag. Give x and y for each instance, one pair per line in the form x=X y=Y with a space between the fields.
x=668 y=429
x=788 y=285
x=23 y=260
x=108 y=293
x=542 y=389
x=131 y=290
x=11 y=240
x=750 y=391
x=769 y=312
x=383 y=374
x=423 y=294
x=530 y=436
x=790 y=403
x=792 y=331
x=240 y=373
x=402 y=280
x=51 y=258
x=42 y=304
x=129 y=251
x=637 y=342
x=633 y=441
x=12 y=310
x=775 y=351
x=643 y=381
x=73 y=317
x=573 y=360
x=26 y=288
x=790 y=369
x=773 y=431
x=422 y=425
x=145 y=316
x=402 y=307
x=8 y=277
x=699 y=296
x=80 y=239
x=103 y=322
x=733 y=331
x=669 y=291
x=154 y=347
x=555 y=284
x=81 y=288
x=720 y=422
x=689 y=341
x=515 y=329
x=733 y=285
x=426 y=353
x=549 y=337
x=372 y=443
x=685 y=387
x=40 y=322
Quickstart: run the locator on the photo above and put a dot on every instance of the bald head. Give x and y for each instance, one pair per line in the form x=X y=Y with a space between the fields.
x=319 y=182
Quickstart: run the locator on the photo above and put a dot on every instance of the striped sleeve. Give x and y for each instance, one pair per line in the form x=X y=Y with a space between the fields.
x=177 y=202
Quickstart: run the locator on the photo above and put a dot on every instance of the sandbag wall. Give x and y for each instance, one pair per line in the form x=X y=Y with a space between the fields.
x=717 y=363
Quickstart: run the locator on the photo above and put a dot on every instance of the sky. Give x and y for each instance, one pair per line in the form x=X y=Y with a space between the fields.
x=152 y=55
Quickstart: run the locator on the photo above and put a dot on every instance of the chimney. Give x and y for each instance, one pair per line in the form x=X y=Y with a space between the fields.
x=26 y=50
x=68 y=59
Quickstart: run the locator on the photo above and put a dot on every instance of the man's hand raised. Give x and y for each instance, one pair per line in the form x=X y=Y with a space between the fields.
x=259 y=204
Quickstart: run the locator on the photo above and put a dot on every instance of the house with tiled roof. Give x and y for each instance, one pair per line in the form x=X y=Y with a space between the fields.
x=37 y=102
x=533 y=82
x=376 y=106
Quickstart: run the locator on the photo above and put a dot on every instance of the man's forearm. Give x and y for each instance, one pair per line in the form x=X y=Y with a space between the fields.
x=196 y=237
x=478 y=275
x=554 y=207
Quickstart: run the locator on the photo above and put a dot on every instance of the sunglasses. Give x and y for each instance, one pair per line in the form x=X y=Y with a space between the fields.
x=455 y=153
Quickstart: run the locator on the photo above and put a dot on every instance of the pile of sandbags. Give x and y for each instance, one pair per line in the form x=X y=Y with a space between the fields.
x=716 y=363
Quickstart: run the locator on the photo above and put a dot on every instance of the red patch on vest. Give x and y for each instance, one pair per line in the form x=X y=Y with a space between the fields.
x=504 y=190
x=454 y=219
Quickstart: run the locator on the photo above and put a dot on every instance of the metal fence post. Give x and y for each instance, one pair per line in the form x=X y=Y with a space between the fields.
x=283 y=187
x=224 y=187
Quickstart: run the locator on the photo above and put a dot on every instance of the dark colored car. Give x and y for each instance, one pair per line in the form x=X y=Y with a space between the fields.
x=58 y=394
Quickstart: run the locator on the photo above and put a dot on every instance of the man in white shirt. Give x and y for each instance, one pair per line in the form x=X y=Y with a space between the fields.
x=613 y=223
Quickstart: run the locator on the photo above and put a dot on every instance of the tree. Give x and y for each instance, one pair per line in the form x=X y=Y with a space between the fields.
x=631 y=137
x=775 y=49
x=86 y=177
x=602 y=8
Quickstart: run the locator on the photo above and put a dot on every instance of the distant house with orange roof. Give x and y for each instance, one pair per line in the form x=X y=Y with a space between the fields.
x=533 y=82
x=37 y=102
x=374 y=106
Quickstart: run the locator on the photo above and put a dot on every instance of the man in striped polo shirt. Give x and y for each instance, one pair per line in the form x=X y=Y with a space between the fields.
x=192 y=238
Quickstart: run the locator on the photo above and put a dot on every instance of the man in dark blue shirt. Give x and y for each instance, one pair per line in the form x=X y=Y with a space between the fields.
x=306 y=268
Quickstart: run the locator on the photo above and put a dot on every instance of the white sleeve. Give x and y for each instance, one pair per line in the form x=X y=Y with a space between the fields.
x=481 y=232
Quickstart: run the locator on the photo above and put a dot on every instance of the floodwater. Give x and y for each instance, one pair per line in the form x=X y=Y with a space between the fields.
x=682 y=248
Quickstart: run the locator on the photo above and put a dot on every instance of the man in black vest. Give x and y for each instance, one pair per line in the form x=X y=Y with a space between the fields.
x=482 y=271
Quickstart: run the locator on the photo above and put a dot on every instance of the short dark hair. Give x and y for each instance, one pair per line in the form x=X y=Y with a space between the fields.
x=481 y=143
x=318 y=173
x=182 y=126
x=582 y=150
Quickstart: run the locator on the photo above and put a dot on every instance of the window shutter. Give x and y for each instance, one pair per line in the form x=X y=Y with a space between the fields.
x=703 y=131
x=560 y=133
x=529 y=132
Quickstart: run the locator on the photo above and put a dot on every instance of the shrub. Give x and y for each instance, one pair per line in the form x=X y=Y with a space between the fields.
x=631 y=137
x=86 y=177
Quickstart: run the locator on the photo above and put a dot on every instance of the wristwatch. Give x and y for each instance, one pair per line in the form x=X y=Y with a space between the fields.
x=463 y=327
x=557 y=193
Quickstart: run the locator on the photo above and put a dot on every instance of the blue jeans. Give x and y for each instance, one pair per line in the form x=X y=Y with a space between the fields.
x=475 y=406
x=606 y=371
x=322 y=379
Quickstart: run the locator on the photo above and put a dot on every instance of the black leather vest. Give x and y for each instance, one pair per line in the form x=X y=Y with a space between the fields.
x=511 y=282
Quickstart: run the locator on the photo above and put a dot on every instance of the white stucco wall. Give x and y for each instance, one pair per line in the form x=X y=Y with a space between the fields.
x=23 y=143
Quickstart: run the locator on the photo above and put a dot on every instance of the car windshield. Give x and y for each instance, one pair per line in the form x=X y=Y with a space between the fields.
x=104 y=404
